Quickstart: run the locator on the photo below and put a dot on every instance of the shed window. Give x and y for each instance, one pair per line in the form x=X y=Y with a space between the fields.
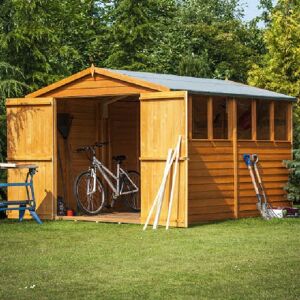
x=263 y=119
x=280 y=120
x=220 y=118
x=244 y=119
x=199 y=118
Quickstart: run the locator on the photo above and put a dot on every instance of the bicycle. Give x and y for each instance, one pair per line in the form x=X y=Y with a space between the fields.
x=89 y=191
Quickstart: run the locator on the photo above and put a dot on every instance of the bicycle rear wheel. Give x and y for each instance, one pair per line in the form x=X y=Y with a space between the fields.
x=92 y=203
x=132 y=200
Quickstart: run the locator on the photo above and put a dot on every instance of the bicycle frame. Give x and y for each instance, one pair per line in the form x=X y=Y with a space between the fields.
x=107 y=175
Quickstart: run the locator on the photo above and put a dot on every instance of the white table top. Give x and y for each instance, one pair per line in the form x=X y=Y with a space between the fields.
x=17 y=166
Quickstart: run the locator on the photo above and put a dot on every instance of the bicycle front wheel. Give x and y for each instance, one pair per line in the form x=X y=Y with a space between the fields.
x=89 y=202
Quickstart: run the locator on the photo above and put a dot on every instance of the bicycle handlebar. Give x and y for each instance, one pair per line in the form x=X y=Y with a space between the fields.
x=91 y=147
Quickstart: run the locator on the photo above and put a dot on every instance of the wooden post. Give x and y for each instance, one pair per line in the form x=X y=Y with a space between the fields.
x=98 y=122
x=235 y=157
x=290 y=122
x=54 y=160
x=230 y=119
x=189 y=116
x=272 y=120
x=253 y=120
x=210 y=128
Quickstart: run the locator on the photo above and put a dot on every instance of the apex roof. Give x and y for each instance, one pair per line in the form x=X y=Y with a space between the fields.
x=166 y=82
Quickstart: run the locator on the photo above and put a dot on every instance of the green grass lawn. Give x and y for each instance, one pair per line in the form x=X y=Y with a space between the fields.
x=244 y=259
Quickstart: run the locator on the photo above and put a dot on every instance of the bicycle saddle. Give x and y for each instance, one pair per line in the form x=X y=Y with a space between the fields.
x=119 y=158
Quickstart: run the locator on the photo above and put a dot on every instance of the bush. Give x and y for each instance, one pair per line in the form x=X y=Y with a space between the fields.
x=293 y=185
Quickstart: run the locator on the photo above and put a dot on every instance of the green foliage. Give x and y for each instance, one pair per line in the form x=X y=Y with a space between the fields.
x=192 y=37
x=266 y=6
x=195 y=65
x=208 y=39
x=136 y=27
x=11 y=82
x=293 y=185
x=48 y=40
x=279 y=70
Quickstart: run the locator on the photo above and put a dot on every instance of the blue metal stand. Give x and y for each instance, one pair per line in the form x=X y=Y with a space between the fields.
x=23 y=205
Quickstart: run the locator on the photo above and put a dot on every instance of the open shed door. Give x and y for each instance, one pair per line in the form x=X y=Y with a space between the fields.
x=31 y=137
x=163 y=119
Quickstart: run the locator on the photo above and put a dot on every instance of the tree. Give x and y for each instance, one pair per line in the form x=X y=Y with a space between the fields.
x=279 y=71
x=280 y=67
x=209 y=39
x=48 y=40
x=136 y=27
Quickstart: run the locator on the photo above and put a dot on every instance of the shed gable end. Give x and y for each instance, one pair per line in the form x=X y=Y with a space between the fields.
x=97 y=82
x=98 y=85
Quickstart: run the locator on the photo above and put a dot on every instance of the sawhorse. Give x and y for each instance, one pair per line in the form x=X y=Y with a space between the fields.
x=21 y=205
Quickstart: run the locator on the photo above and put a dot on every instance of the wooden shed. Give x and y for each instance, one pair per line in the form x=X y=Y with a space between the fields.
x=141 y=115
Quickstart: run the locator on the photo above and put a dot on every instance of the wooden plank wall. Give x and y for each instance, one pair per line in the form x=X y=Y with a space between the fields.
x=210 y=181
x=219 y=183
x=274 y=174
x=124 y=132
x=163 y=118
x=31 y=139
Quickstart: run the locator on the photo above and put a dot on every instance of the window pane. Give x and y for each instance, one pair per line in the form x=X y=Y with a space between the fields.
x=280 y=118
x=244 y=120
x=263 y=119
x=199 y=116
x=220 y=119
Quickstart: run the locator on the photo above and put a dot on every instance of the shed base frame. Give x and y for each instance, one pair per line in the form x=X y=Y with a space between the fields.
x=114 y=217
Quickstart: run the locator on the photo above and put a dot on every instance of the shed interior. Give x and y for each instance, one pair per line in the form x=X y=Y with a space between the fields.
x=107 y=119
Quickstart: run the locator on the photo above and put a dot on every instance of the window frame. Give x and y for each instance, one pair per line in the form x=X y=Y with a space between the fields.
x=210 y=128
x=191 y=118
x=231 y=103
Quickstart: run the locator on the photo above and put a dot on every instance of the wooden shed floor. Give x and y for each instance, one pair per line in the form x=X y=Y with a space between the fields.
x=112 y=217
